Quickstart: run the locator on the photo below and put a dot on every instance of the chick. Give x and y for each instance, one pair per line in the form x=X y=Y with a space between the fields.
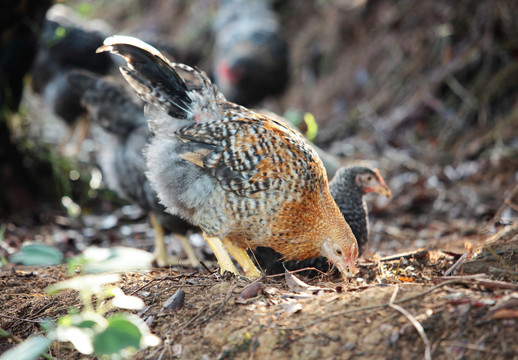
x=120 y=156
x=65 y=47
x=245 y=179
x=347 y=187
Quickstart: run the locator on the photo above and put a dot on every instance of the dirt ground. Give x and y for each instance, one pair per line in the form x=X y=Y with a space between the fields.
x=428 y=94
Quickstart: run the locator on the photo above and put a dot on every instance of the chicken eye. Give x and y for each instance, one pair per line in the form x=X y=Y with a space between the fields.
x=338 y=252
x=369 y=178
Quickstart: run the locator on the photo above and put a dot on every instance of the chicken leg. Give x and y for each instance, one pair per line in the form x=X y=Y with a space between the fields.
x=161 y=257
x=221 y=254
x=243 y=259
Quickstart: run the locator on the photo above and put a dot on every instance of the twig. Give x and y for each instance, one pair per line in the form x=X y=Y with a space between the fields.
x=194 y=317
x=205 y=266
x=218 y=309
x=494 y=270
x=459 y=261
x=481 y=279
x=413 y=320
x=147 y=284
x=19 y=319
x=500 y=260
x=372 y=307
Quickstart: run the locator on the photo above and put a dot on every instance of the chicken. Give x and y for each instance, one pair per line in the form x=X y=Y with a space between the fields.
x=245 y=179
x=347 y=187
x=250 y=57
x=63 y=48
x=120 y=156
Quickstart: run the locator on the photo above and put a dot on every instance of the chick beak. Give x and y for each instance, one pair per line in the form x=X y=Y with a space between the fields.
x=381 y=188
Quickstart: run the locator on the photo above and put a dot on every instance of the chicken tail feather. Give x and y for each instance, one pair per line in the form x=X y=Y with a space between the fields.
x=151 y=75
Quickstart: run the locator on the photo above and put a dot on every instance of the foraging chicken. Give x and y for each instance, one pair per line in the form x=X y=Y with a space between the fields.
x=347 y=187
x=245 y=179
x=121 y=159
x=250 y=57
x=64 y=48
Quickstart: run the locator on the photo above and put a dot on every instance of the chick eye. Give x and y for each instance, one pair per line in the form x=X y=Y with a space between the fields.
x=338 y=252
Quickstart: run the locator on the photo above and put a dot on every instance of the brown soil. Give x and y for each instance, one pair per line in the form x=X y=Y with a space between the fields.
x=462 y=316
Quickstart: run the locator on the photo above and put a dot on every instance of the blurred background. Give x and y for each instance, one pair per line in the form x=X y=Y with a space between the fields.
x=426 y=91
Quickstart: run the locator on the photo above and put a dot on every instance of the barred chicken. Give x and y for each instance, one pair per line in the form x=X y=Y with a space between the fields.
x=120 y=155
x=245 y=179
x=347 y=187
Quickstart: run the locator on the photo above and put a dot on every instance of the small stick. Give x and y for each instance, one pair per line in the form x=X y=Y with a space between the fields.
x=218 y=309
x=413 y=321
x=371 y=307
x=19 y=319
x=205 y=266
x=461 y=260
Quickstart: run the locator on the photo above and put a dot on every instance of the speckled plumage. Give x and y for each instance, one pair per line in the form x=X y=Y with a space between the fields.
x=239 y=175
x=347 y=187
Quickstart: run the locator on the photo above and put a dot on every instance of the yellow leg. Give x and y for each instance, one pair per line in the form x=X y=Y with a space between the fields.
x=161 y=257
x=224 y=260
x=243 y=259
x=160 y=248
x=189 y=251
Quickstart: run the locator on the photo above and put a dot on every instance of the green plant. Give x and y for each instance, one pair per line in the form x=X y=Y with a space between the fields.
x=91 y=331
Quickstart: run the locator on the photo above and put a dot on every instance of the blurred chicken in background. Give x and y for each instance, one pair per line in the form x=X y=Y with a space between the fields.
x=250 y=57
x=121 y=159
x=66 y=44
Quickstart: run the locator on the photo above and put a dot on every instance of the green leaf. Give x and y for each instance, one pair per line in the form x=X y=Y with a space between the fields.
x=30 y=349
x=90 y=284
x=125 y=334
x=37 y=254
x=119 y=337
x=116 y=259
x=80 y=330
x=312 y=126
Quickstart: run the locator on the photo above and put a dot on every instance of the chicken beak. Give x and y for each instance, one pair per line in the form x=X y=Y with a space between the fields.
x=347 y=267
x=382 y=188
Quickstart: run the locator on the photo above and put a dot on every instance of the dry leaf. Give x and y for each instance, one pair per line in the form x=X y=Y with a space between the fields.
x=250 y=291
x=292 y=307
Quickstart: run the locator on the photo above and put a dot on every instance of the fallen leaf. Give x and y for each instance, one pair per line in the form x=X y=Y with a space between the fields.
x=299 y=286
x=292 y=307
x=250 y=291
x=504 y=314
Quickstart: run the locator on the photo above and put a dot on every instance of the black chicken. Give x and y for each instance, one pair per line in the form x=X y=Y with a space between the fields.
x=121 y=159
x=63 y=48
x=250 y=57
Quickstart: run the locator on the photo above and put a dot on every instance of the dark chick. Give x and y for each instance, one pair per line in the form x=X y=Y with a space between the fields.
x=120 y=157
x=64 y=48
x=250 y=57
x=348 y=187
x=245 y=179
